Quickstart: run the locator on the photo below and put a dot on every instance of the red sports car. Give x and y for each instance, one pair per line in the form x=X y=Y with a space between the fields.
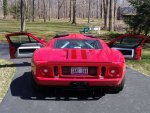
x=75 y=60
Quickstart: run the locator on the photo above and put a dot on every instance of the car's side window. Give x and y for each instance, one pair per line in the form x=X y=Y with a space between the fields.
x=22 y=39
x=129 y=40
x=117 y=42
x=32 y=40
x=19 y=39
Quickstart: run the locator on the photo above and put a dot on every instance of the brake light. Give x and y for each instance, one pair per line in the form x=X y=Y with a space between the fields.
x=114 y=72
x=44 y=71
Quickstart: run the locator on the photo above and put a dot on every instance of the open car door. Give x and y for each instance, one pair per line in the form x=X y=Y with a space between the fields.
x=129 y=44
x=22 y=44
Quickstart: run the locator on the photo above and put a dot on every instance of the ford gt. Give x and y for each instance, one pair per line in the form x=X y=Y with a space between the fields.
x=76 y=60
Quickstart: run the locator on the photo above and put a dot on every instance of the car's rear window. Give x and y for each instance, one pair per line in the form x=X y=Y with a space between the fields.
x=78 y=44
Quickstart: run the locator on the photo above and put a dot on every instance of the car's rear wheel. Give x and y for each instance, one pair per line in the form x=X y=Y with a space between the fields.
x=117 y=89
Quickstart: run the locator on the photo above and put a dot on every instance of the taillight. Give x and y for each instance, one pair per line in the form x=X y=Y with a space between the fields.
x=114 y=72
x=44 y=71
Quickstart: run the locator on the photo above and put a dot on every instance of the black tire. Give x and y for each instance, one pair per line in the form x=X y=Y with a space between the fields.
x=117 y=89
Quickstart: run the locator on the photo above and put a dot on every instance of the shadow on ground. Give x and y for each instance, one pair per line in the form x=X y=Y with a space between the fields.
x=23 y=64
x=22 y=87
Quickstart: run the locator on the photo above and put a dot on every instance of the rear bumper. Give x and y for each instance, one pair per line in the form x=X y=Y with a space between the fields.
x=69 y=81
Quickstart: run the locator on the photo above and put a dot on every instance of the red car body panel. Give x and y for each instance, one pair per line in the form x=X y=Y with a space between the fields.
x=49 y=57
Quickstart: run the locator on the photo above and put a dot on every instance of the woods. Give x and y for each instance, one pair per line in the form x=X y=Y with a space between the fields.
x=106 y=10
x=71 y=9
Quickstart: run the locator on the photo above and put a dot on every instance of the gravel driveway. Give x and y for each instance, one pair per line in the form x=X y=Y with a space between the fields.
x=20 y=98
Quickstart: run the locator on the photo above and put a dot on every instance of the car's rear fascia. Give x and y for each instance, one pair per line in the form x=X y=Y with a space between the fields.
x=60 y=80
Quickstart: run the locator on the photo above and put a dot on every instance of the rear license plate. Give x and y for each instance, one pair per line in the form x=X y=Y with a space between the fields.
x=79 y=70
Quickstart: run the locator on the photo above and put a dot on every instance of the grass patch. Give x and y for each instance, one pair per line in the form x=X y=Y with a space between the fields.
x=143 y=65
x=46 y=29
x=39 y=28
x=6 y=75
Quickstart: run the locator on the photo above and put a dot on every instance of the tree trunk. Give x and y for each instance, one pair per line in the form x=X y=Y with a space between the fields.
x=59 y=7
x=15 y=9
x=58 y=10
x=49 y=10
x=111 y=16
x=97 y=9
x=106 y=13
x=115 y=13
x=39 y=9
x=33 y=10
x=89 y=12
x=70 y=12
x=66 y=8
x=107 y=17
x=28 y=11
x=74 y=12
x=22 y=13
x=44 y=6
x=102 y=9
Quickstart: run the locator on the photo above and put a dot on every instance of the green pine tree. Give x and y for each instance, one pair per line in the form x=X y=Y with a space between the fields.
x=140 y=22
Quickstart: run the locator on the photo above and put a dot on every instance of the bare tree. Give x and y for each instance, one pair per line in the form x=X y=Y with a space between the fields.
x=59 y=7
x=44 y=10
x=101 y=9
x=66 y=8
x=106 y=13
x=97 y=9
x=111 y=16
x=15 y=9
x=39 y=9
x=49 y=10
x=28 y=15
x=115 y=11
x=33 y=1
x=70 y=11
x=74 y=12
x=89 y=12
x=22 y=14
